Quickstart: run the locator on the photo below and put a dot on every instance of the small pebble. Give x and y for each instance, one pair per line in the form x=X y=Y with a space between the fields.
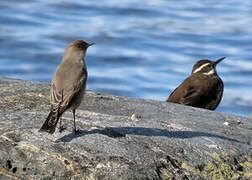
x=238 y=121
x=135 y=117
x=226 y=123
x=213 y=146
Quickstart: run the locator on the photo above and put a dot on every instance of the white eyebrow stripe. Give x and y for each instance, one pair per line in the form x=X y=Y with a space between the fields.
x=201 y=67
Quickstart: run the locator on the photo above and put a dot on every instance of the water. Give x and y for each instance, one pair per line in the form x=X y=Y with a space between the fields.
x=143 y=48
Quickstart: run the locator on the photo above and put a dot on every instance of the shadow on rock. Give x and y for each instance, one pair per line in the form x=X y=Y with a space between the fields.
x=119 y=132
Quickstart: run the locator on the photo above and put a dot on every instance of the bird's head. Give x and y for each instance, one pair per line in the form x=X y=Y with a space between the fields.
x=76 y=49
x=206 y=66
x=80 y=44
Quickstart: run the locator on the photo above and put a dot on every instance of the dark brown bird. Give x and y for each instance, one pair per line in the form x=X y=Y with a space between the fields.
x=68 y=84
x=203 y=88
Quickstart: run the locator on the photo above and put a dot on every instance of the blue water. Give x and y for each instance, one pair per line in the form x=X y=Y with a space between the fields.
x=143 y=48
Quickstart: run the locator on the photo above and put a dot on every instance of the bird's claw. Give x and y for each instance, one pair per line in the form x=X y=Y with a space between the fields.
x=76 y=131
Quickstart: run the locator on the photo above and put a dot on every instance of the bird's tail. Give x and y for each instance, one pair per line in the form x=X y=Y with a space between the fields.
x=50 y=123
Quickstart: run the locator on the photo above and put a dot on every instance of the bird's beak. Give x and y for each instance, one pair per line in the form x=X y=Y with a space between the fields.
x=90 y=44
x=219 y=60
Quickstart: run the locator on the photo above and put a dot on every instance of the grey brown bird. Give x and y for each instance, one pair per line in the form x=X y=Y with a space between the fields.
x=68 y=84
x=203 y=88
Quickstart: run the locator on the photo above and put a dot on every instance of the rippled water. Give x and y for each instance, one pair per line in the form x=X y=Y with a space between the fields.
x=143 y=48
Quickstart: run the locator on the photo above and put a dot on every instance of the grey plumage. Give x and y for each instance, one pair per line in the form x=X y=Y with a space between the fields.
x=68 y=84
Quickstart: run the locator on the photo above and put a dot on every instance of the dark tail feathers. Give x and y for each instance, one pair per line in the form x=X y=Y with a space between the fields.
x=50 y=123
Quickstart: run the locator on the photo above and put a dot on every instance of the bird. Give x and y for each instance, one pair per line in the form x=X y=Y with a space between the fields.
x=68 y=85
x=202 y=89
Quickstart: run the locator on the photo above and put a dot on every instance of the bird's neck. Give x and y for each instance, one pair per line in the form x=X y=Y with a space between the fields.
x=74 y=56
x=212 y=72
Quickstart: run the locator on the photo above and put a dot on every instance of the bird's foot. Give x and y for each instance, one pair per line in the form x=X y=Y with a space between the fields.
x=76 y=131
x=62 y=128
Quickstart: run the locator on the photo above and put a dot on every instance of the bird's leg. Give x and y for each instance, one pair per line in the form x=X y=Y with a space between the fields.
x=75 y=130
x=61 y=126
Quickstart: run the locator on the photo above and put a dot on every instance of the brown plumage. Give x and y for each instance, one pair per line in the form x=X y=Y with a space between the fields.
x=68 y=84
x=203 y=88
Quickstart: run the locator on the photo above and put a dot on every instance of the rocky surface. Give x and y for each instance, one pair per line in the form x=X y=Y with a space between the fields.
x=120 y=138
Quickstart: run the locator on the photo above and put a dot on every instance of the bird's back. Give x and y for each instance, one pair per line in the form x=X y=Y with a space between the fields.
x=199 y=91
x=68 y=80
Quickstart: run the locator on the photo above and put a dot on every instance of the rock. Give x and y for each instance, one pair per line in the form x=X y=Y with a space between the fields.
x=162 y=140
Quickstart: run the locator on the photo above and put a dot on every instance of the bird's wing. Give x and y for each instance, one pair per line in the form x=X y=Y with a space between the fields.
x=62 y=98
x=65 y=86
x=187 y=93
x=191 y=96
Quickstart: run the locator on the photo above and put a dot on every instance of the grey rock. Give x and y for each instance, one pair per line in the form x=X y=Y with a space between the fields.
x=120 y=138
